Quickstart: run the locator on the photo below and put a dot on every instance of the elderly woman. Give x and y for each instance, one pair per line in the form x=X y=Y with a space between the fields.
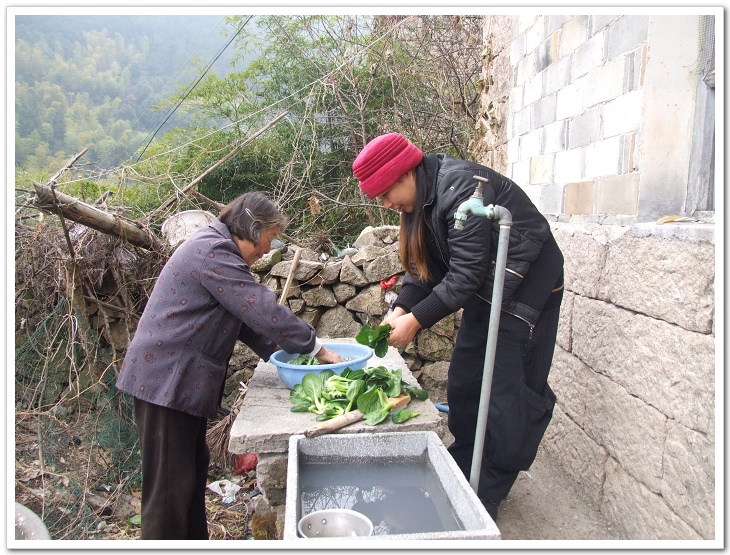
x=204 y=300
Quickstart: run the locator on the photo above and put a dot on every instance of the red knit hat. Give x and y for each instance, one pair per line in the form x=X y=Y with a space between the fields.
x=383 y=161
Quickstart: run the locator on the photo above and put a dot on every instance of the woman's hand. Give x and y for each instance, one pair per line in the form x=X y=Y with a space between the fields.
x=397 y=311
x=404 y=330
x=325 y=356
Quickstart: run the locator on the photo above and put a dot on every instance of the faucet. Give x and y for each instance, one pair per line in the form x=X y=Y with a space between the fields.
x=475 y=206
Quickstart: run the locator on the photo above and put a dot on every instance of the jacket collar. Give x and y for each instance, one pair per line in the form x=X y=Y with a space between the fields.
x=427 y=174
x=221 y=228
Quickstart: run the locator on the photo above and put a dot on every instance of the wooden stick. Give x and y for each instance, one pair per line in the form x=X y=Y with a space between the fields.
x=69 y=207
x=67 y=166
x=290 y=277
x=349 y=418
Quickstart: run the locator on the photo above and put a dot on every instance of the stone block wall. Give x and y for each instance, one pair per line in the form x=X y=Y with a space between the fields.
x=599 y=104
x=597 y=127
x=634 y=373
x=338 y=295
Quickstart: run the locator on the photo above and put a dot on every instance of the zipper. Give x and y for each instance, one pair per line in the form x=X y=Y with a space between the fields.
x=529 y=324
x=433 y=234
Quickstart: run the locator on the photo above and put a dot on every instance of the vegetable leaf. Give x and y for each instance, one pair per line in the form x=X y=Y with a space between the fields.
x=369 y=400
x=403 y=415
x=375 y=338
x=377 y=415
x=354 y=391
x=328 y=395
x=304 y=360
x=415 y=392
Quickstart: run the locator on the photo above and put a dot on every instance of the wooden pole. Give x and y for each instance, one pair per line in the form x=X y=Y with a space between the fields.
x=290 y=277
x=69 y=207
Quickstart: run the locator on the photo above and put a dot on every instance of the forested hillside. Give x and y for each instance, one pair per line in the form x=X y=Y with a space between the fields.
x=98 y=81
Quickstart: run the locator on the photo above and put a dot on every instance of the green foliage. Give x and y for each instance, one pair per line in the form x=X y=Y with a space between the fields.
x=343 y=79
x=375 y=338
x=90 y=82
x=328 y=395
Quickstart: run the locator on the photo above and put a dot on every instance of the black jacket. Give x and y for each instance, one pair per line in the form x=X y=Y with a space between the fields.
x=462 y=262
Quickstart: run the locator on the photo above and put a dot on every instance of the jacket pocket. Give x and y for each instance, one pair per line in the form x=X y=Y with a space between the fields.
x=515 y=436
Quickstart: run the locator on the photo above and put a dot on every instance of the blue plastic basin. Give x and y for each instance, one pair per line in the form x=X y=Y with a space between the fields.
x=354 y=354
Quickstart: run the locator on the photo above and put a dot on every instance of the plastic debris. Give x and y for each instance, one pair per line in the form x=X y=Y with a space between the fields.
x=244 y=463
x=226 y=489
x=386 y=284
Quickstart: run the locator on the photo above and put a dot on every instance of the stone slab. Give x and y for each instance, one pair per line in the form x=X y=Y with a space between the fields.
x=265 y=422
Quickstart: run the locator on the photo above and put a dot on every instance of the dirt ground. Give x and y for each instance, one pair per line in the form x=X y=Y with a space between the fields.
x=544 y=505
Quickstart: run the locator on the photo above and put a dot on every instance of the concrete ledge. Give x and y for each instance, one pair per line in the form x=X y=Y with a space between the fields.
x=265 y=423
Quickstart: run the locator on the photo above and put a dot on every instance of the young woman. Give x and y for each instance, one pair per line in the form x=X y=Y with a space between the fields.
x=204 y=300
x=450 y=269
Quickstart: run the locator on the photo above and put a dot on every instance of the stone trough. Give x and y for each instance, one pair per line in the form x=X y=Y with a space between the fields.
x=427 y=490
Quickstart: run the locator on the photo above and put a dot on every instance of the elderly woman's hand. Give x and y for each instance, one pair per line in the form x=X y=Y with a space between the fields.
x=325 y=356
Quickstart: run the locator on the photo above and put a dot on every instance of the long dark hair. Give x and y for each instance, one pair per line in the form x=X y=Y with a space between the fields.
x=250 y=214
x=412 y=247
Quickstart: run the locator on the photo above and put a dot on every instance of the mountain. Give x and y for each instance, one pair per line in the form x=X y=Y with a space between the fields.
x=93 y=81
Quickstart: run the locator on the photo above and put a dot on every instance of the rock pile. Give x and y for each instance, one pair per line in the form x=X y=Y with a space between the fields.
x=338 y=295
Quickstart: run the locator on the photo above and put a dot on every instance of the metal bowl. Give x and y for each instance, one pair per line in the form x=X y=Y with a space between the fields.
x=355 y=356
x=28 y=525
x=334 y=523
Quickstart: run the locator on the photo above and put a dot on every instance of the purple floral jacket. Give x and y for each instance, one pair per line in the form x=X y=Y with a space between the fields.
x=204 y=300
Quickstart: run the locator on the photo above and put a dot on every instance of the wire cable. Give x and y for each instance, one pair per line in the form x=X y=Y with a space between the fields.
x=320 y=80
x=192 y=87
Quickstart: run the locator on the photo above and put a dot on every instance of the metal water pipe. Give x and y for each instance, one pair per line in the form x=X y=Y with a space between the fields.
x=475 y=205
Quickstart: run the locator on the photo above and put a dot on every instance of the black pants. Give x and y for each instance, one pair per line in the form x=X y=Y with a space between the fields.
x=521 y=402
x=175 y=460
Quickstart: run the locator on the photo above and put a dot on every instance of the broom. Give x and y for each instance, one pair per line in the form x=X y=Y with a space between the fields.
x=217 y=435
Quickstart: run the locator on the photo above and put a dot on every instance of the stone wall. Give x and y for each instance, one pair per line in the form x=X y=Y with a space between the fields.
x=634 y=373
x=603 y=111
x=585 y=126
x=338 y=295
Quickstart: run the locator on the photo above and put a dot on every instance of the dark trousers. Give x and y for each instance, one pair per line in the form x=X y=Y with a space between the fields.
x=521 y=402
x=175 y=460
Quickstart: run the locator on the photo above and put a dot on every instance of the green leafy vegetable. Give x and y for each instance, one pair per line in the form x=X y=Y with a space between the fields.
x=354 y=390
x=329 y=395
x=415 y=392
x=403 y=415
x=377 y=415
x=375 y=338
x=369 y=401
x=304 y=360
